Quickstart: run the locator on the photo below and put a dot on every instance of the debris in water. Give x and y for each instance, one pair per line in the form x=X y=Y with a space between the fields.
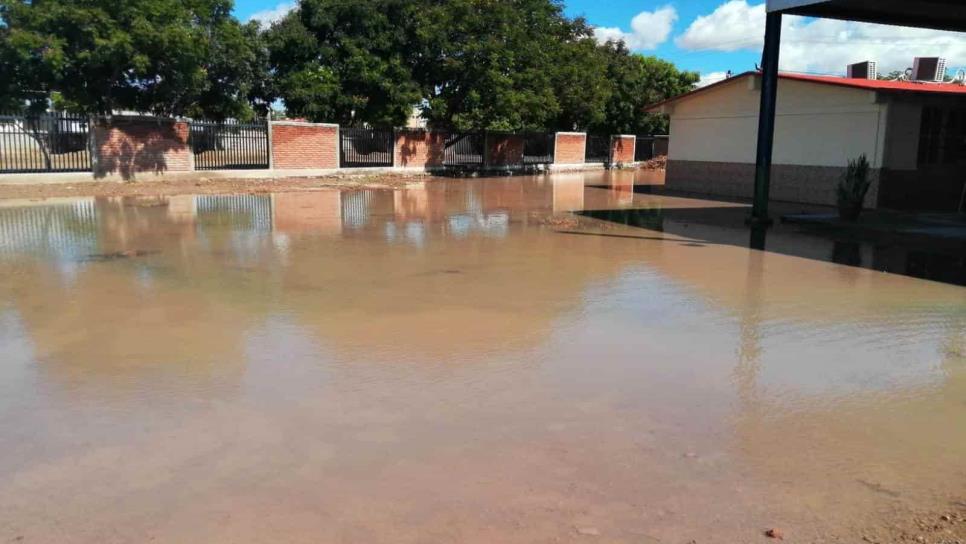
x=879 y=488
x=126 y=254
x=588 y=531
x=562 y=221
x=775 y=533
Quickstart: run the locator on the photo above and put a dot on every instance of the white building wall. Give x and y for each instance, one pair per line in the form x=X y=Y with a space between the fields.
x=816 y=125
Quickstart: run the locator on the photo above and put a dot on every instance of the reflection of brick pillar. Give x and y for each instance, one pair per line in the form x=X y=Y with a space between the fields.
x=622 y=149
x=127 y=146
x=297 y=145
x=570 y=148
x=419 y=148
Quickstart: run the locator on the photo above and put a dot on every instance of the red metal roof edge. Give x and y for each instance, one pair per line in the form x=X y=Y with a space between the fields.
x=865 y=84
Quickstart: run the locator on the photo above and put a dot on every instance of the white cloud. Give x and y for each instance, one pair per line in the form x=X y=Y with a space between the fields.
x=268 y=16
x=649 y=29
x=711 y=77
x=820 y=45
x=732 y=26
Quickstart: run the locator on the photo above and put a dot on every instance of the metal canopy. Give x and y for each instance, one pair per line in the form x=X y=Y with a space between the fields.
x=936 y=14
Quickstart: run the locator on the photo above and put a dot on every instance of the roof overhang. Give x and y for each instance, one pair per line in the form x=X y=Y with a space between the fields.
x=937 y=14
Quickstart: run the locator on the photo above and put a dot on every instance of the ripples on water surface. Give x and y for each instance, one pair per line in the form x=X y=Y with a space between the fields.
x=460 y=361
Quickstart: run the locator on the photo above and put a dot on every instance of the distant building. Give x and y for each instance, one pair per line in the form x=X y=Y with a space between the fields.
x=416 y=119
x=913 y=133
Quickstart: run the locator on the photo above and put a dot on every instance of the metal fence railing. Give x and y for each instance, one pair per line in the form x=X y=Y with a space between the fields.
x=644 y=148
x=229 y=145
x=538 y=147
x=361 y=147
x=465 y=149
x=598 y=149
x=47 y=142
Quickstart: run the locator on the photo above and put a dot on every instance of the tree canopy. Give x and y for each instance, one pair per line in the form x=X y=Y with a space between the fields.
x=169 y=57
x=466 y=64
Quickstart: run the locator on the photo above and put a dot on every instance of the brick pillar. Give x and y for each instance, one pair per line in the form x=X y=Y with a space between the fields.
x=570 y=148
x=297 y=145
x=504 y=149
x=622 y=149
x=418 y=148
x=127 y=146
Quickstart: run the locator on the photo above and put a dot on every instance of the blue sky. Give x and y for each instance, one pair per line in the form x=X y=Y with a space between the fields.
x=714 y=36
x=618 y=13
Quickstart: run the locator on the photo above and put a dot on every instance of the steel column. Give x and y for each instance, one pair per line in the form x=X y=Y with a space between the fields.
x=766 y=117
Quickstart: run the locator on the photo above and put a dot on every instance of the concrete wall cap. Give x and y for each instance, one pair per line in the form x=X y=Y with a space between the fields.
x=571 y=134
x=304 y=124
x=137 y=119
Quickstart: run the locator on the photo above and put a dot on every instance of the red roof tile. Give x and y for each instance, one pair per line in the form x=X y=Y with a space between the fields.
x=867 y=84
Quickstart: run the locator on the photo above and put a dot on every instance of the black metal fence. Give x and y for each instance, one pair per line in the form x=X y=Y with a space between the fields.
x=48 y=142
x=644 y=148
x=229 y=145
x=361 y=147
x=598 y=149
x=464 y=149
x=538 y=147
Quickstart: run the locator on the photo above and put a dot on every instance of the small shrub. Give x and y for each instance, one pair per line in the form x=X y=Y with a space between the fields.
x=853 y=187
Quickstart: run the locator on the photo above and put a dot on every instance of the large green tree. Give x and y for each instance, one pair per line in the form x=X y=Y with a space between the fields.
x=347 y=61
x=168 y=57
x=493 y=64
x=636 y=81
x=468 y=64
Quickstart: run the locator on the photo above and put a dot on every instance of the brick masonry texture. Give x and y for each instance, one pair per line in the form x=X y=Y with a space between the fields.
x=505 y=150
x=418 y=148
x=622 y=149
x=570 y=148
x=789 y=183
x=129 y=146
x=304 y=145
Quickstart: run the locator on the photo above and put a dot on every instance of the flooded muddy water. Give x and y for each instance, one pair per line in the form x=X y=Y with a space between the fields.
x=488 y=360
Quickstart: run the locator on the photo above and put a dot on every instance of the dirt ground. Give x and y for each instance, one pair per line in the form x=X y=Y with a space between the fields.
x=205 y=186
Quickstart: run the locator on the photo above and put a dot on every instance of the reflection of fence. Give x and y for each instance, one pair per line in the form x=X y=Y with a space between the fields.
x=65 y=230
x=47 y=142
x=361 y=147
x=229 y=145
x=253 y=212
x=644 y=148
x=598 y=148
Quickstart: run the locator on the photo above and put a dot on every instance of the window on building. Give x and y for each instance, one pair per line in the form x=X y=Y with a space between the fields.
x=942 y=136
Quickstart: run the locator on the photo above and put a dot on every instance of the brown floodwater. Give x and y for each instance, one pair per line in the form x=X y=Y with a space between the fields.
x=487 y=360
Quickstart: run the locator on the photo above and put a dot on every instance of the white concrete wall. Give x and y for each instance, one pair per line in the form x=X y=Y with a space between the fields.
x=817 y=125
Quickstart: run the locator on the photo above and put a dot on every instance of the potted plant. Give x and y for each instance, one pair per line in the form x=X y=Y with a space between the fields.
x=852 y=188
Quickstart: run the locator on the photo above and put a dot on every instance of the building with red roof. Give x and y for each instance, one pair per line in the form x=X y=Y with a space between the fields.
x=913 y=134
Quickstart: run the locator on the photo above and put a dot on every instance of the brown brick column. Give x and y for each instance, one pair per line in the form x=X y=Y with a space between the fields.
x=504 y=150
x=570 y=148
x=622 y=149
x=127 y=146
x=416 y=148
x=298 y=145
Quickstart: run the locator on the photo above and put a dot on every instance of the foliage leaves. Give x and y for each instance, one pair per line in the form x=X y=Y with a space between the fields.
x=467 y=64
x=168 y=57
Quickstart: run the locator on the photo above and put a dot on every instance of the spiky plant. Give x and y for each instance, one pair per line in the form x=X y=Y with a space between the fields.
x=853 y=187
